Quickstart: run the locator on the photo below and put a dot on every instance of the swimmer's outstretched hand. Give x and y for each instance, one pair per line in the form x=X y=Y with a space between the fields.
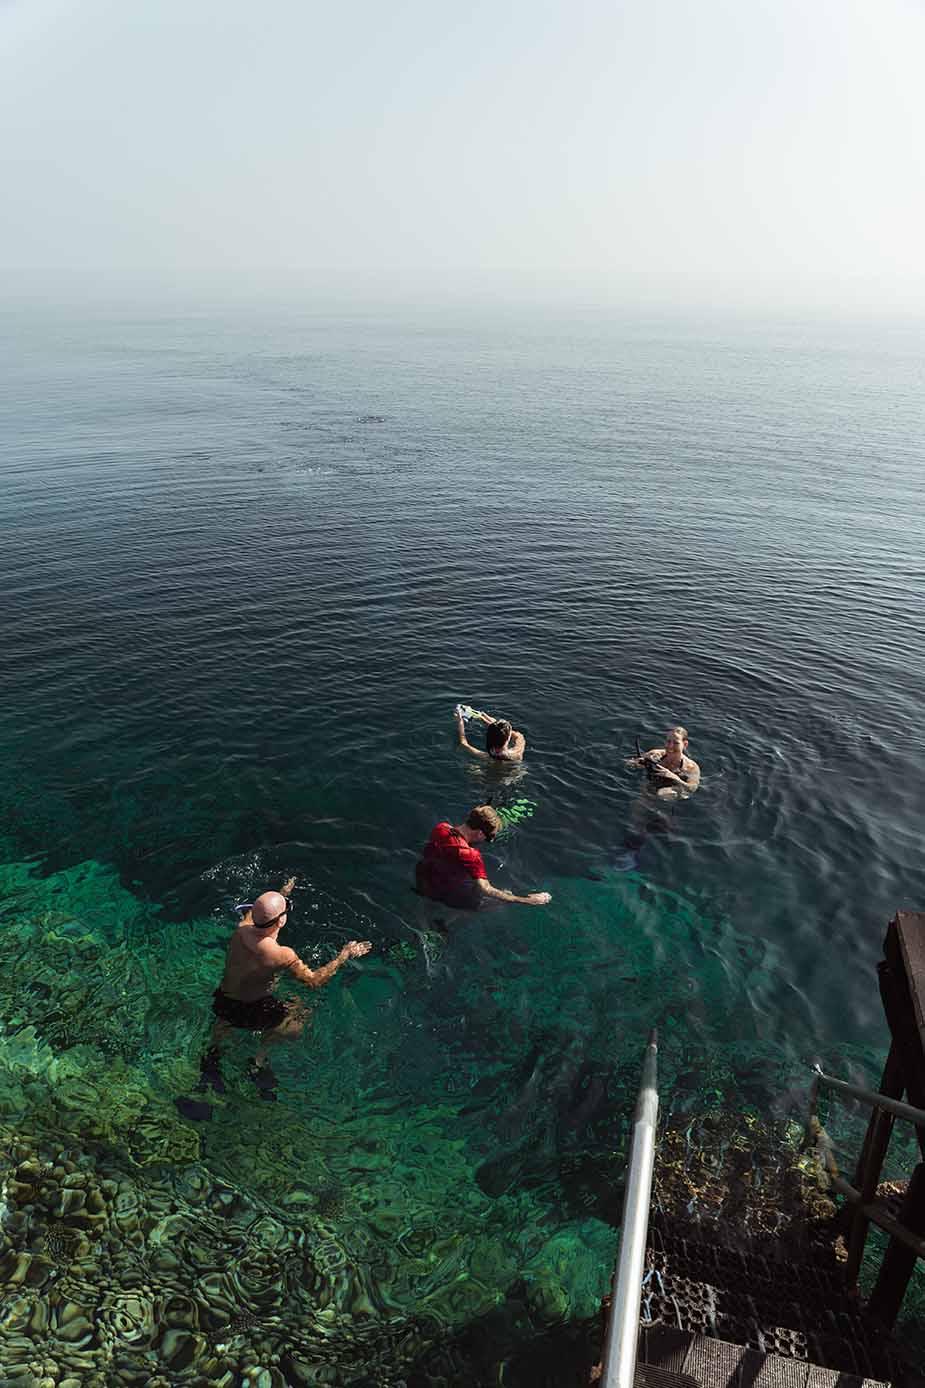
x=355 y=949
x=540 y=898
x=288 y=886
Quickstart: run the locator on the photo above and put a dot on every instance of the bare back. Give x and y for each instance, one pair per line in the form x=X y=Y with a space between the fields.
x=513 y=751
x=254 y=963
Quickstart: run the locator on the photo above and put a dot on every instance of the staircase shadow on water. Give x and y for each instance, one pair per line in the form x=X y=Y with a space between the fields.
x=505 y=1347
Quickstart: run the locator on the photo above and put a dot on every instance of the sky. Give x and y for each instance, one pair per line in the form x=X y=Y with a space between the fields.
x=742 y=151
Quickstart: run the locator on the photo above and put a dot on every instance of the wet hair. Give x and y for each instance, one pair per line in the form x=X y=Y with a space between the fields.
x=486 y=819
x=497 y=734
x=683 y=734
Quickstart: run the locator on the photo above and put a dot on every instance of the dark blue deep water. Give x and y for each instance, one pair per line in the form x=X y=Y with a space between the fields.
x=249 y=562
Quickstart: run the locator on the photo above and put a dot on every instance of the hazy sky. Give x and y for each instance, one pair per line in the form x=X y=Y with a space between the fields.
x=748 y=149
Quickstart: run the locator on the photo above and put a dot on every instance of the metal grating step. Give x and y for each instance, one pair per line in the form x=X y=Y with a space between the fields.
x=769 y=1306
x=648 y=1376
x=710 y=1363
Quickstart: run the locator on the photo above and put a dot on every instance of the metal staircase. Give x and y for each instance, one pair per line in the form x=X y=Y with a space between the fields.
x=702 y=1306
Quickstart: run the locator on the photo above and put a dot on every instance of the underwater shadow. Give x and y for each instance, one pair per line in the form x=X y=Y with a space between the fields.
x=505 y=1347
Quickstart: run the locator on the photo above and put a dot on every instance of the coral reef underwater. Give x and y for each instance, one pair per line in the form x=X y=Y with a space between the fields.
x=435 y=1194
x=334 y=1240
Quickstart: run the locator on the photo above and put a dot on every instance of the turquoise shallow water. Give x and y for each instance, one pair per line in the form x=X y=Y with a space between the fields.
x=248 y=564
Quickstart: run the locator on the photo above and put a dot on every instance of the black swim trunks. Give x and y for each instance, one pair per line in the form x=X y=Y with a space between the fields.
x=250 y=1016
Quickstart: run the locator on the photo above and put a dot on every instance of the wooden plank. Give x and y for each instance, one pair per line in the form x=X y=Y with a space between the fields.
x=648 y=1376
x=772 y=1371
x=904 y=950
x=910 y=933
x=891 y=1084
x=870 y=1164
x=664 y=1347
x=899 y=1261
x=714 y=1363
x=830 y=1378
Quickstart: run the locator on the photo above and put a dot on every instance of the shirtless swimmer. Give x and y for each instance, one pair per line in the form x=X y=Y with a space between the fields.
x=254 y=965
x=671 y=773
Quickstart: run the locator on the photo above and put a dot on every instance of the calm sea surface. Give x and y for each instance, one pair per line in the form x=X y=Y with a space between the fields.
x=249 y=562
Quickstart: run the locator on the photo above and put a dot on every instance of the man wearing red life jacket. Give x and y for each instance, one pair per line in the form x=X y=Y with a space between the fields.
x=451 y=869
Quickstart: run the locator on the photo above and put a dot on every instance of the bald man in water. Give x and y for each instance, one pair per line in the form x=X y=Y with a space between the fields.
x=254 y=965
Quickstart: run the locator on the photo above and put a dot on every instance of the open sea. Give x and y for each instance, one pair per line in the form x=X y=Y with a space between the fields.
x=249 y=561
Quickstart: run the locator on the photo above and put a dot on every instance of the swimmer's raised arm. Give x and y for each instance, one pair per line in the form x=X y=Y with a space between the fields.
x=464 y=741
x=288 y=886
x=316 y=978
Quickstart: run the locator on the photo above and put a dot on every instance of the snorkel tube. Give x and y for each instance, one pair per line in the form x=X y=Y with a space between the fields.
x=465 y=712
x=651 y=764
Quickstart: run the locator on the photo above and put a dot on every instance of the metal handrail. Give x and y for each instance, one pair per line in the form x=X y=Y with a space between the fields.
x=871 y=1097
x=619 y=1366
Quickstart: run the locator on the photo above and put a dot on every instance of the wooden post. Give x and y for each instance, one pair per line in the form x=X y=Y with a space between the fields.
x=902 y=988
x=899 y=1262
x=897 y=1004
x=870 y=1162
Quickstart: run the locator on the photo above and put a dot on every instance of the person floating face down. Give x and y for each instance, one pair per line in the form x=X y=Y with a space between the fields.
x=670 y=773
x=451 y=869
x=254 y=965
x=502 y=742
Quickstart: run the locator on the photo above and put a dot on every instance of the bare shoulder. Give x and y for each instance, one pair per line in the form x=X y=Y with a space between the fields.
x=273 y=955
x=691 y=773
x=278 y=954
